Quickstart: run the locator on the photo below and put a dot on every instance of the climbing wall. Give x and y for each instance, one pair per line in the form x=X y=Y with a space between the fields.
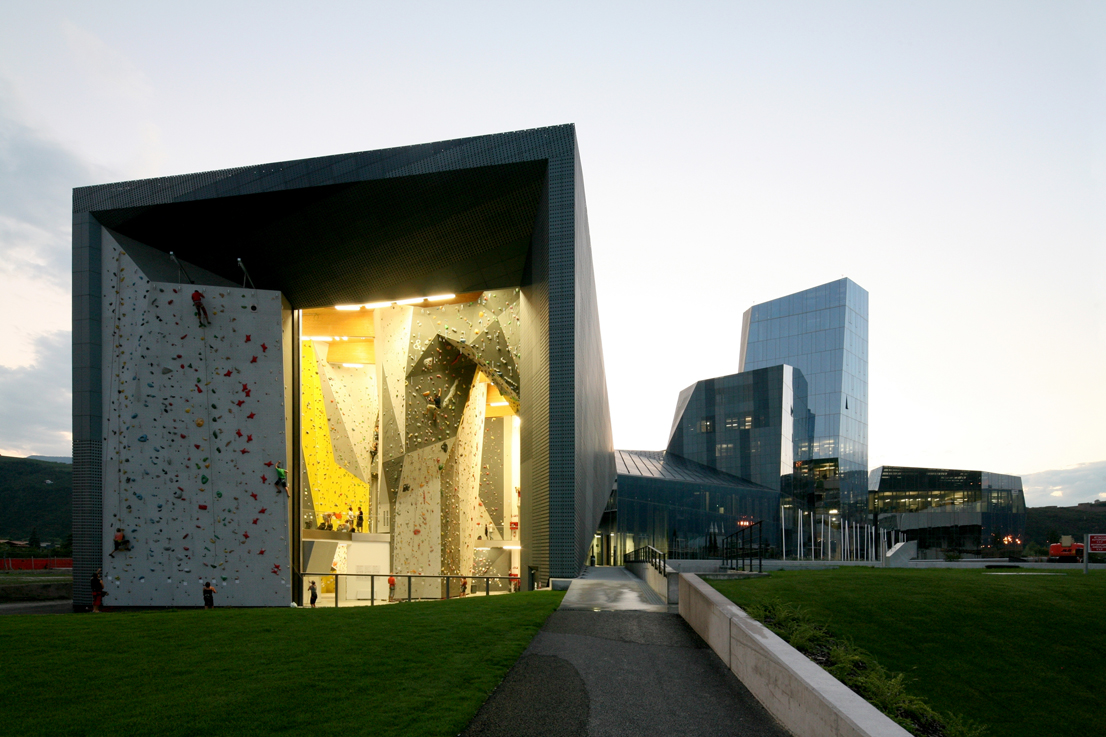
x=333 y=488
x=194 y=424
x=465 y=517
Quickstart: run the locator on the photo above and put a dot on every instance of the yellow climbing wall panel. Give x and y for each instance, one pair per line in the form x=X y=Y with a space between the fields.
x=333 y=489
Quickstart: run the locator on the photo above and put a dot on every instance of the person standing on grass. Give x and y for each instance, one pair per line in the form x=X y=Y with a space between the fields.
x=209 y=595
x=97 y=585
x=391 y=588
x=464 y=586
x=314 y=593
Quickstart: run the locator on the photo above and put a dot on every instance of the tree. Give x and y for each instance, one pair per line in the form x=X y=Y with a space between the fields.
x=34 y=542
x=1053 y=536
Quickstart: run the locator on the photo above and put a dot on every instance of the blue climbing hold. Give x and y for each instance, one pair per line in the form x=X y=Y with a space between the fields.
x=142 y=438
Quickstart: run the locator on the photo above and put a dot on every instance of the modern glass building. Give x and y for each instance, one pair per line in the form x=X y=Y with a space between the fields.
x=822 y=332
x=410 y=336
x=973 y=513
x=679 y=506
x=753 y=425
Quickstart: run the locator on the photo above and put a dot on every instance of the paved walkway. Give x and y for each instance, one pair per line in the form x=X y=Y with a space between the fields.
x=611 y=661
x=56 y=606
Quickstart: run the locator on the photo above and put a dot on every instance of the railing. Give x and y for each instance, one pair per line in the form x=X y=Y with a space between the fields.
x=454 y=586
x=739 y=548
x=649 y=554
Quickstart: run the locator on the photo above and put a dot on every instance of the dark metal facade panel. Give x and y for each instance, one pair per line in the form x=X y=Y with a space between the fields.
x=659 y=464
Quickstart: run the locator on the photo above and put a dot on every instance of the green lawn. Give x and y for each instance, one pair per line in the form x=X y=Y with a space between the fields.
x=1024 y=655
x=407 y=669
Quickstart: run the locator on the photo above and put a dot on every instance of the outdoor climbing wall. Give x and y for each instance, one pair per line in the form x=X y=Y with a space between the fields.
x=194 y=425
x=333 y=488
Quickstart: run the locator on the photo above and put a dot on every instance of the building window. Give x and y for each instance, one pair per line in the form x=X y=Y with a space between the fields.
x=724 y=449
x=706 y=424
x=741 y=422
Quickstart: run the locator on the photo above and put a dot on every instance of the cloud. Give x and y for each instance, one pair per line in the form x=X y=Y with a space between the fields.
x=1083 y=483
x=36 y=401
x=37 y=176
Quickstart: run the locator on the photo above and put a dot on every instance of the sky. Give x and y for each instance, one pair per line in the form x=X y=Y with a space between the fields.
x=949 y=157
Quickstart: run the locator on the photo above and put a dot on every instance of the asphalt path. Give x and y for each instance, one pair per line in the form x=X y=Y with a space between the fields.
x=619 y=671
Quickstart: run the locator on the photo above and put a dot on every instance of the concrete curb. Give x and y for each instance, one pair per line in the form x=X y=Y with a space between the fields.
x=806 y=699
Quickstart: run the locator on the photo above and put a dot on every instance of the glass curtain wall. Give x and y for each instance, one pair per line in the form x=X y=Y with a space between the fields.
x=410 y=440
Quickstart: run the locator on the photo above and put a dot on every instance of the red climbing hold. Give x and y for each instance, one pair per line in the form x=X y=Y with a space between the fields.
x=241 y=402
x=183 y=436
x=229 y=373
x=250 y=416
x=255 y=519
x=238 y=433
x=247 y=392
x=244 y=451
x=264 y=481
x=246 y=535
x=254 y=495
x=197 y=448
x=245 y=387
x=184 y=336
x=264 y=347
x=247 y=339
x=263 y=510
x=249 y=438
x=268 y=463
x=199 y=390
x=253 y=360
x=203 y=506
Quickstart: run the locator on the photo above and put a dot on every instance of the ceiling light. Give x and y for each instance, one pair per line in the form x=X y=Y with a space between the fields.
x=324 y=338
x=512 y=547
x=411 y=301
x=353 y=365
x=497 y=404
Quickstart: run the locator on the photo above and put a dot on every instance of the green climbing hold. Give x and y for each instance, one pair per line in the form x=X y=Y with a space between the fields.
x=203 y=479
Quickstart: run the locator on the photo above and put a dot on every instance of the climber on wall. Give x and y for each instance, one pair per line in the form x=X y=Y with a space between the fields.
x=282 y=479
x=121 y=542
x=201 y=311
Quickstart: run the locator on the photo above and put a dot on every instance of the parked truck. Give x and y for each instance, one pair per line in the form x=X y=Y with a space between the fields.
x=1065 y=551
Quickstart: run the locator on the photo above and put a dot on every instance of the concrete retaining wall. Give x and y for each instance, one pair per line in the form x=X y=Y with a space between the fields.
x=36 y=591
x=651 y=576
x=806 y=699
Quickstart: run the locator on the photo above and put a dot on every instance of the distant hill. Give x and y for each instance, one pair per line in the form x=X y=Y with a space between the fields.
x=1075 y=521
x=52 y=459
x=27 y=501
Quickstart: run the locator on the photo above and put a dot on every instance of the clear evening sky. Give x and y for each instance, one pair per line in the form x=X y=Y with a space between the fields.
x=950 y=157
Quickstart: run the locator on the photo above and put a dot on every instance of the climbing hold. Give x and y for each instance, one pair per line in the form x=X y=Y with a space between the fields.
x=199 y=422
x=142 y=438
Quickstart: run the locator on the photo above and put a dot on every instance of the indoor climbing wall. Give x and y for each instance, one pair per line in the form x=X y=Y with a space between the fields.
x=194 y=424
x=464 y=515
x=333 y=488
x=351 y=408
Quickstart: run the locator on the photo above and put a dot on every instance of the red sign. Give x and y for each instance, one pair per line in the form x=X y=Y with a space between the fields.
x=1098 y=543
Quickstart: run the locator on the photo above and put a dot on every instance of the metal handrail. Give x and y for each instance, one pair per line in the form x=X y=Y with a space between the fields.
x=738 y=547
x=648 y=554
x=511 y=581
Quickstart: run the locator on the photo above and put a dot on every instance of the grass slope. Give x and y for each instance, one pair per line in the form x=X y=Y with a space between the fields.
x=1020 y=654
x=27 y=501
x=409 y=669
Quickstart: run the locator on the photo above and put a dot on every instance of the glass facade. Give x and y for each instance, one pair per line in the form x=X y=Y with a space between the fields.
x=678 y=506
x=753 y=425
x=975 y=513
x=822 y=332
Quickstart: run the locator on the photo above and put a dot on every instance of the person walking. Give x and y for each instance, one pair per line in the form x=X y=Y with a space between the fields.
x=97 y=586
x=314 y=593
x=209 y=595
x=391 y=588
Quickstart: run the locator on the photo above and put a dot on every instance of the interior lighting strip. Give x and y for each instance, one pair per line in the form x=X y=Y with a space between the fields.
x=411 y=301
